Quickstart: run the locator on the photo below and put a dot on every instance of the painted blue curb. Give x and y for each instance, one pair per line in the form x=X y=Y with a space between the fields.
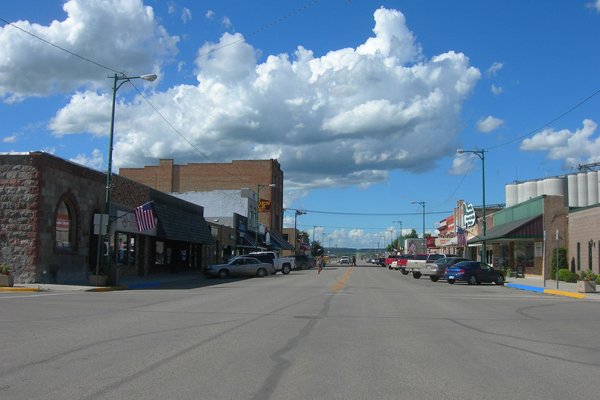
x=144 y=285
x=524 y=287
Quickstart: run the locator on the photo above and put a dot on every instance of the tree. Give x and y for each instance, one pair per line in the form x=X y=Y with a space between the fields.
x=413 y=234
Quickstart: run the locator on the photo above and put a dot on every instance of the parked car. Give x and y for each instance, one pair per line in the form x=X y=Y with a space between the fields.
x=473 y=272
x=239 y=266
x=303 y=262
x=436 y=269
x=344 y=260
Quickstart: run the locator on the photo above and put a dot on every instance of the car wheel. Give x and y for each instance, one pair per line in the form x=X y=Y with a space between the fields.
x=499 y=280
x=404 y=272
x=261 y=272
x=450 y=281
x=285 y=269
x=472 y=280
x=416 y=275
x=223 y=274
x=434 y=278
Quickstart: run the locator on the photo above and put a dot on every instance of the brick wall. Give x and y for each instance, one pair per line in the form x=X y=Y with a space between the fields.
x=236 y=175
x=583 y=230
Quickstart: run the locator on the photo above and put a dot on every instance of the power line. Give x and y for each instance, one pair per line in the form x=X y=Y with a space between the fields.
x=549 y=123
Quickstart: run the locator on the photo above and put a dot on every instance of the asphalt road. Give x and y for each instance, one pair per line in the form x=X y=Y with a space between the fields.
x=352 y=333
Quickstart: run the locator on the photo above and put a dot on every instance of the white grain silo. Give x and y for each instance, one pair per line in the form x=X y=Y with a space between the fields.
x=572 y=190
x=556 y=187
x=530 y=190
x=592 y=185
x=521 y=193
x=512 y=196
x=582 y=189
x=540 y=187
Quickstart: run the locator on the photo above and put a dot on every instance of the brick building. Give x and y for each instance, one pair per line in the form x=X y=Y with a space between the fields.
x=584 y=239
x=47 y=208
x=203 y=177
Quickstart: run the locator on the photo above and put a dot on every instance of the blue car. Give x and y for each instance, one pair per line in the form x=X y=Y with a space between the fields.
x=473 y=272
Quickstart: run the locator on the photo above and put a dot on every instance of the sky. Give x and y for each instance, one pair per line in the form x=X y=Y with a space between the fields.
x=363 y=103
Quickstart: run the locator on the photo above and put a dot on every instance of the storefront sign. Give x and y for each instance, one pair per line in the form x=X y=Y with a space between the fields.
x=264 y=205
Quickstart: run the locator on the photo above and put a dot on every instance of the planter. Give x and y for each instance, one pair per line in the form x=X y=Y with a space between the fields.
x=586 y=286
x=98 y=280
x=7 y=280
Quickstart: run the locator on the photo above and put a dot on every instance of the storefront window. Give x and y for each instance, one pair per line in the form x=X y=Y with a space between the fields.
x=64 y=226
x=525 y=253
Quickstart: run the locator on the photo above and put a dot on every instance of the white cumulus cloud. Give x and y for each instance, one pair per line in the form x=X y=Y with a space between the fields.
x=579 y=147
x=115 y=33
x=346 y=118
x=489 y=124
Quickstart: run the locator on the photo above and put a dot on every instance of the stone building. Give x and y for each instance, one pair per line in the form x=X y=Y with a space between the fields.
x=47 y=209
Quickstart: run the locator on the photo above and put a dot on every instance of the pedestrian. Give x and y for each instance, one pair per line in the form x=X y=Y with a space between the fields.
x=319 y=264
x=353 y=260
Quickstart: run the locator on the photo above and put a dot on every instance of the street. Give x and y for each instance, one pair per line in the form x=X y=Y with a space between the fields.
x=361 y=332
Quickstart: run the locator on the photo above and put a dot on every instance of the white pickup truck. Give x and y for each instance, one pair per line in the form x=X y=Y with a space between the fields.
x=421 y=261
x=282 y=264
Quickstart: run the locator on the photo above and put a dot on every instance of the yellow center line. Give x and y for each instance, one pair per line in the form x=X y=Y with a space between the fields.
x=342 y=281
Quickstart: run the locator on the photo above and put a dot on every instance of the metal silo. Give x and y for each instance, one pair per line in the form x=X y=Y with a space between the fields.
x=512 y=196
x=530 y=190
x=592 y=186
x=582 y=189
x=572 y=190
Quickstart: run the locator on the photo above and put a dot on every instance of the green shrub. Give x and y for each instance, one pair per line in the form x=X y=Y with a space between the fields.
x=562 y=262
x=566 y=275
x=598 y=279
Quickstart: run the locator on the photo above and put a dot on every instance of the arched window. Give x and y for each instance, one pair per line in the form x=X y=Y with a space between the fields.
x=64 y=226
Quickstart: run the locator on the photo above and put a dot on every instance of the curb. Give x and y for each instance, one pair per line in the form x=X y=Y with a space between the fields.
x=19 y=289
x=129 y=287
x=546 y=291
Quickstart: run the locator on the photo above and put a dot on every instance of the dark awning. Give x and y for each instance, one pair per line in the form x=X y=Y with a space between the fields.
x=247 y=240
x=181 y=225
x=281 y=242
x=528 y=228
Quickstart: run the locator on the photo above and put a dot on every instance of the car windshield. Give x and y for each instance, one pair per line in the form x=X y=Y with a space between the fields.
x=442 y=261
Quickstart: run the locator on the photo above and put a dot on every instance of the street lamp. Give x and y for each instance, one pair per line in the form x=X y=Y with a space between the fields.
x=296 y=230
x=480 y=154
x=423 y=204
x=116 y=86
x=400 y=240
x=256 y=218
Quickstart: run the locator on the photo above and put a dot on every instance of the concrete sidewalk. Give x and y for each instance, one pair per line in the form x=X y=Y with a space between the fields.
x=125 y=283
x=535 y=284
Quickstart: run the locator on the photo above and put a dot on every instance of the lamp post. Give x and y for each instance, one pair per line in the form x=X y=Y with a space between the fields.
x=116 y=86
x=400 y=240
x=423 y=204
x=480 y=154
x=296 y=230
x=256 y=219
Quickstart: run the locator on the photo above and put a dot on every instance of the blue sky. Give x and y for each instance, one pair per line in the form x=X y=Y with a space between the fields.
x=363 y=103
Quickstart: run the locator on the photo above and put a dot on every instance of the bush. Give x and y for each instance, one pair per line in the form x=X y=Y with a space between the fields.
x=566 y=275
x=562 y=262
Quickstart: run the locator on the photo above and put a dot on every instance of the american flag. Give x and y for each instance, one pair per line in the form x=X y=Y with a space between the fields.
x=144 y=217
x=461 y=236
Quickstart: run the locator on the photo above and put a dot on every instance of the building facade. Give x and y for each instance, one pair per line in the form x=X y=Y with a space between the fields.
x=48 y=208
x=205 y=177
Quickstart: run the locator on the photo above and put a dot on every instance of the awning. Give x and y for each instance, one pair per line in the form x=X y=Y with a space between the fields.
x=247 y=241
x=528 y=228
x=181 y=225
x=281 y=242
